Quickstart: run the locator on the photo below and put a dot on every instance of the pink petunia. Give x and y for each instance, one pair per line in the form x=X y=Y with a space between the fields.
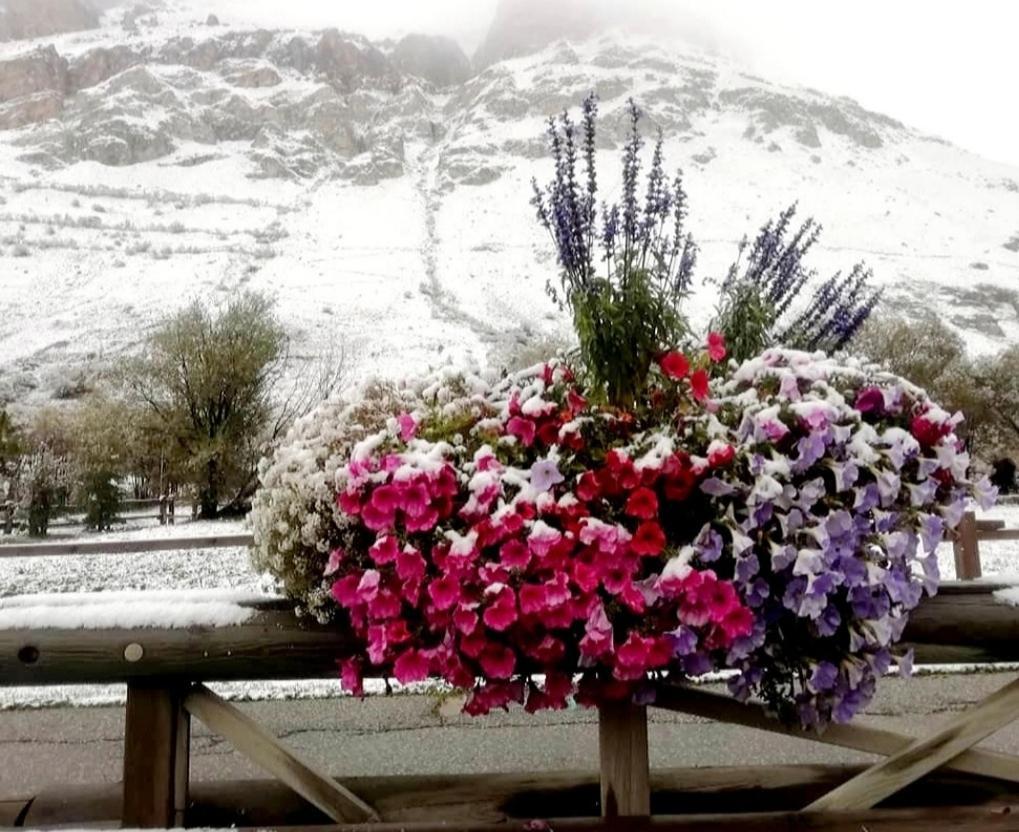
x=503 y=611
x=411 y=666
x=385 y=549
x=344 y=591
x=336 y=557
x=497 y=661
x=410 y=565
x=542 y=538
x=444 y=592
x=423 y=522
x=597 y=639
x=514 y=554
x=633 y=657
x=523 y=429
x=377 y=519
x=465 y=619
x=415 y=499
x=350 y=676
x=386 y=604
x=716 y=346
x=368 y=587
x=408 y=426
x=349 y=502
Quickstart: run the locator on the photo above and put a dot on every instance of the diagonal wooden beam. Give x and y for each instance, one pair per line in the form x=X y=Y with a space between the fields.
x=723 y=708
x=248 y=737
x=922 y=756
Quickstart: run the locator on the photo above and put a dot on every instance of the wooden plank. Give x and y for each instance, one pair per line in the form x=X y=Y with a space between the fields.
x=963 y=623
x=998 y=534
x=623 y=752
x=255 y=743
x=118 y=547
x=992 y=526
x=502 y=797
x=943 y=819
x=924 y=755
x=156 y=740
x=723 y=708
x=967 y=549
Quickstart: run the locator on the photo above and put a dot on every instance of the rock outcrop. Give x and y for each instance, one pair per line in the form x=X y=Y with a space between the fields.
x=42 y=70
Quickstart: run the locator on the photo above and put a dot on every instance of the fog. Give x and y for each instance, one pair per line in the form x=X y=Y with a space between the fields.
x=947 y=68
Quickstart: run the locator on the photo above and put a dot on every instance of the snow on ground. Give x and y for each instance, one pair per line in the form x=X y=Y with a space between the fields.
x=226 y=568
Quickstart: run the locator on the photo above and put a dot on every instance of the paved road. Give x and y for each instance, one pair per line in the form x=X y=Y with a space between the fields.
x=420 y=734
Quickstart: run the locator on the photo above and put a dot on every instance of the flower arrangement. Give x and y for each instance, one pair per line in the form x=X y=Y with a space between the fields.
x=637 y=511
x=526 y=530
x=778 y=519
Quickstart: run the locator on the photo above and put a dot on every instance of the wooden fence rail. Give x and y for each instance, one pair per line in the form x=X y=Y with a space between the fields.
x=963 y=622
x=119 y=547
x=165 y=669
x=966 y=543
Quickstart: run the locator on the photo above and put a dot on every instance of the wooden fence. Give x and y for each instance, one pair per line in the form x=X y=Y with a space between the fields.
x=12 y=515
x=966 y=543
x=166 y=671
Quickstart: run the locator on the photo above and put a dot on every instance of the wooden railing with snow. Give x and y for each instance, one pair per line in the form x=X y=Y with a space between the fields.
x=165 y=671
x=966 y=543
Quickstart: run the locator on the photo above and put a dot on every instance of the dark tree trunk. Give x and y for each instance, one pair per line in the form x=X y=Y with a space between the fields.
x=208 y=497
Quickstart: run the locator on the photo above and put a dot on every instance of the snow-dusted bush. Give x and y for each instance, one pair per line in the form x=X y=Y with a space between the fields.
x=294 y=515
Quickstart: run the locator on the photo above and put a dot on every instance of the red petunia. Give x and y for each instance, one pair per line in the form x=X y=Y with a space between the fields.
x=648 y=540
x=642 y=504
x=675 y=365
x=928 y=432
x=699 y=385
x=716 y=346
x=720 y=455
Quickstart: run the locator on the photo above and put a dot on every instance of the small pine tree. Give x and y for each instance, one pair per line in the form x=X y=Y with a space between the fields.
x=102 y=500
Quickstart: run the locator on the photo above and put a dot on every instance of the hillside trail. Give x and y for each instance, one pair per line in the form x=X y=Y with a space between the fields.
x=425 y=168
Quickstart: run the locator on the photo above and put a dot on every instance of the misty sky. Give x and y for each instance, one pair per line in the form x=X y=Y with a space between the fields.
x=948 y=67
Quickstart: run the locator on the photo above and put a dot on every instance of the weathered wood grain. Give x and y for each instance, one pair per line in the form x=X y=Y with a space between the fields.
x=924 y=755
x=263 y=749
x=156 y=756
x=497 y=798
x=909 y=820
x=723 y=708
x=623 y=752
x=120 y=547
x=967 y=549
x=963 y=623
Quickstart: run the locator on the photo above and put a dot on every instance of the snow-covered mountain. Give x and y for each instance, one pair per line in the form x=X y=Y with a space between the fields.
x=380 y=190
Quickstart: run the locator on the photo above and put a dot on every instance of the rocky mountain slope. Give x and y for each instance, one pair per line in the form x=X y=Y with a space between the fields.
x=380 y=189
x=25 y=19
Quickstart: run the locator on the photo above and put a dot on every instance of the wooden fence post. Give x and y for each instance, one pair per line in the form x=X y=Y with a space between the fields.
x=623 y=751
x=967 y=549
x=157 y=737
